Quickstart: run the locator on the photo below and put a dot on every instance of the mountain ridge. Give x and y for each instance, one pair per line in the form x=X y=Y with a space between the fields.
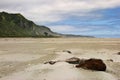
x=16 y=25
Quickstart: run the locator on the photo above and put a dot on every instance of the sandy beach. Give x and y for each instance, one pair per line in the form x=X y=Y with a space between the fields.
x=23 y=58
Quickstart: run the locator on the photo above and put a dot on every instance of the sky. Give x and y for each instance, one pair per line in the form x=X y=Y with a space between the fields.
x=99 y=18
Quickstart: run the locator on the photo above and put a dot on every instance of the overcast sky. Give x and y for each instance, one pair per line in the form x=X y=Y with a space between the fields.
x=100 y=18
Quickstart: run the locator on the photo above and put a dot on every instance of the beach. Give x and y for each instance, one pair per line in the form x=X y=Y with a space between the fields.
x=23 y=58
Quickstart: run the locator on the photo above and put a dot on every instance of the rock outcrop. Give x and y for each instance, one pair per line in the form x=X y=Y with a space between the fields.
x=92 y=64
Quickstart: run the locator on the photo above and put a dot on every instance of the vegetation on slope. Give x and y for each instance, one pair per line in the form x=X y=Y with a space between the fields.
x=16 y=25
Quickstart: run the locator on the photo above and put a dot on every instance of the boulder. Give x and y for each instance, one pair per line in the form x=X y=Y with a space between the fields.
x=73 y=60
x=118 y=53
x=92 y=64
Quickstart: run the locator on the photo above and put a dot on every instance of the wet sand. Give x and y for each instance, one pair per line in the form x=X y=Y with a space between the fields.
x=23 y=58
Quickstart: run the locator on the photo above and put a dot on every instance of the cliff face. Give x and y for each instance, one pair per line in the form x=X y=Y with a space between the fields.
x=16 y=25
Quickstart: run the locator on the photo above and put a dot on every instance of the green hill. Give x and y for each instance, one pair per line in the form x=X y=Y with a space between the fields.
x=16 y=25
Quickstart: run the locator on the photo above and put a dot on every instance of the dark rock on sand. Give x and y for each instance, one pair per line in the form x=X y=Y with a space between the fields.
x=73 y=60
x=118 y=53
x=110 y=60
x=92 y=64
x=67 y=51
x=50 y=62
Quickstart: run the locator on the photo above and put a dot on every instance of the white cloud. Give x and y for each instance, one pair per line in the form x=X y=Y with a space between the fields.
x=85 y=30
x=55 y=10
x=63 y=28
x=69 y=29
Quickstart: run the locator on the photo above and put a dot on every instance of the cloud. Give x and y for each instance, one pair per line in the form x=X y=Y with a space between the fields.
x=55 y=10
x=86 y=30
x=63 y=28
x=72 y=29
x=87 y=17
